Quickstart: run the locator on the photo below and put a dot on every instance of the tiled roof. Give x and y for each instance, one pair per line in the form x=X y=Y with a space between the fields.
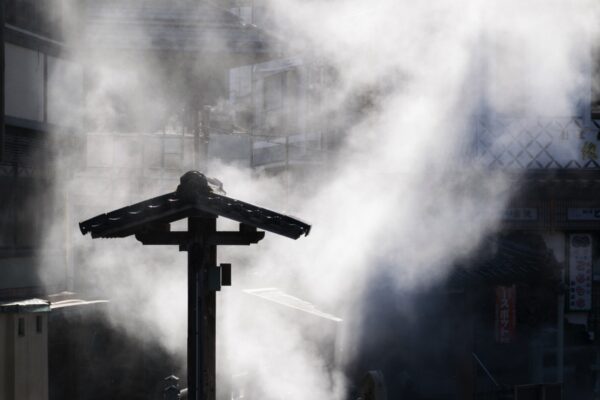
x=195 y=196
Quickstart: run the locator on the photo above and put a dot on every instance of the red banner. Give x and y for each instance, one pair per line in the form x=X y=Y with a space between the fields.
x=506 y=313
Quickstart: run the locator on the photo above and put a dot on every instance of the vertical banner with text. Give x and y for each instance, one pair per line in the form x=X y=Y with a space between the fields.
x=506 y=313
x=580 y=272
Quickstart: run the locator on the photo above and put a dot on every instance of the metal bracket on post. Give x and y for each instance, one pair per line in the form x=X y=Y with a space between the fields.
x=219 y=276
x=225 y=274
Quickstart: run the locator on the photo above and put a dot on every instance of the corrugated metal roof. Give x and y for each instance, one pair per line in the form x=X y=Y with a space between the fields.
x=25 y=306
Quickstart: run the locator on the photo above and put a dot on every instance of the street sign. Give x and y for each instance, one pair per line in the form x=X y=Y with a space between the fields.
x=506 y=313
x=580 y=272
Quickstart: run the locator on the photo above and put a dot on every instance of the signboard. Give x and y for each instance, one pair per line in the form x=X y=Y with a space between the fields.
x=580 y=272
x=583 y=214
x=520 y=214
x=506 y=313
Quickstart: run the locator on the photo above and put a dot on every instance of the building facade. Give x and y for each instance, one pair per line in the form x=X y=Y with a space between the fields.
x=67 y=135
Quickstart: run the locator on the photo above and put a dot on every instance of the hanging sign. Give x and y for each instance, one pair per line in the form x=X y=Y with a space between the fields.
x=506 y=313
x=580 y=272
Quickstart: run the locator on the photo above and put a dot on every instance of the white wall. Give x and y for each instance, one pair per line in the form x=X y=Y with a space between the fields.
x=23 y=359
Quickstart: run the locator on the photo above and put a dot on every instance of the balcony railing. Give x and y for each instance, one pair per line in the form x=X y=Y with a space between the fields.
x=286 y=153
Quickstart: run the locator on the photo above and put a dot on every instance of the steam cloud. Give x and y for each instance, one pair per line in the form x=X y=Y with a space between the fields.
x=402 y=196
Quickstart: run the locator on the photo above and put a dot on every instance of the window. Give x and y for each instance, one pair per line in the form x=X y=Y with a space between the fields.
x=292 y=102
x=152 y=152
x=240 y=95
x=7 y=214
x=41 y=17
x=281 y=102
x=29 y=209
x=173 y=156
x=39 y=324
x=273 y=92
x=273 y=104
x=21 y=327
x=126 y=152
x=22 y=206
x=24 y=91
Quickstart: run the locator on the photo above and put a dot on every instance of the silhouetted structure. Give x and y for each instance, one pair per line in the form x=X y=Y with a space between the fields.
x=196 y=198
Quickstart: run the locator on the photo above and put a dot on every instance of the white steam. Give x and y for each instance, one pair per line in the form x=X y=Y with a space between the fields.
x=402 y=196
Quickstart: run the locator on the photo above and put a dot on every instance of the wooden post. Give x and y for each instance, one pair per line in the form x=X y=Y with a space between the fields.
x=201 y=310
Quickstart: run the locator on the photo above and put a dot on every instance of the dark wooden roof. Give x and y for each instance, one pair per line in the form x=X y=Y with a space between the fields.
x=195 y=196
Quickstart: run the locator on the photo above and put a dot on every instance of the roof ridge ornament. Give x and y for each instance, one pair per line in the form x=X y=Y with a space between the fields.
x=193 y=183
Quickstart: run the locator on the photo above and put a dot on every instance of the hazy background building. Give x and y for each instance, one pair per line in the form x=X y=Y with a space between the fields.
x=106 y=103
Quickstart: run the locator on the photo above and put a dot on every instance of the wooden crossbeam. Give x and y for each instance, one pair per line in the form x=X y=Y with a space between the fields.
x=225 y=238
x=161 y=235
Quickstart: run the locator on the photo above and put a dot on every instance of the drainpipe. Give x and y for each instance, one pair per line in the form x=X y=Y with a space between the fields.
x=560 y=331
x=2 y=89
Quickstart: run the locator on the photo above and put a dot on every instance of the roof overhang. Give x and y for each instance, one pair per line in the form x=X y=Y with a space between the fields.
x=195 y=196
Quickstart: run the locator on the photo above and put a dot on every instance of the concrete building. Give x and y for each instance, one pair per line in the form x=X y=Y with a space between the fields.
x=54 y=139
x=549 y=255
x=37 y=66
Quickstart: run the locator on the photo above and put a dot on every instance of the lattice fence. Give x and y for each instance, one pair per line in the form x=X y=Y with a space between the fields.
x=541 y=143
